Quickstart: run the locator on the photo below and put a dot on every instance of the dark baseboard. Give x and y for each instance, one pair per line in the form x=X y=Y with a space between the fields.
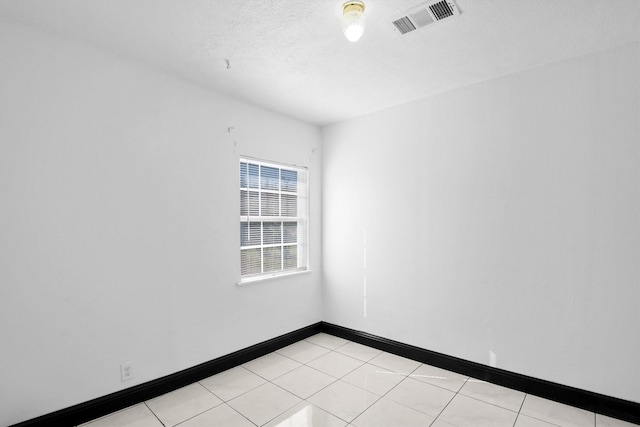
x=96 y=408
x=83 y=412
x=599 y=403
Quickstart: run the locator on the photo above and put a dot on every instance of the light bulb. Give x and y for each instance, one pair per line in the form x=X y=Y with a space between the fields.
x=353 y=20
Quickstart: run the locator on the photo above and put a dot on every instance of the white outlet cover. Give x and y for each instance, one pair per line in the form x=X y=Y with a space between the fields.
x=126 y=371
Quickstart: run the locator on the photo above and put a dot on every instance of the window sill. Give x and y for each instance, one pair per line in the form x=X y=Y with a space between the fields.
x=257 y=279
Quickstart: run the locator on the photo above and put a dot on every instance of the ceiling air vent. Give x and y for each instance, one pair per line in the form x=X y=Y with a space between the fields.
x=425 y=14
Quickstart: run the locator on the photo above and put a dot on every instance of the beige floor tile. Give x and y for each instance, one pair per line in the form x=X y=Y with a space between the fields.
x=232 y=383
x=385 y=413
x=395 y=363
x=525 y=421
x=306 y=415
x=135 y=416
x=220 y=416
x=421 y=396
x=441 y=423
x=604 y=421
x=439 y=377
x=182 y=404
x=494 y=394
x=335 y=364
x=464 y=411
x=343 y=400
x=373 y=378
x=303 y=351
x=304 y=381
x=327 y=341
x=271 y=365
x=556 y=413
x=264 y=403
x=358 y=351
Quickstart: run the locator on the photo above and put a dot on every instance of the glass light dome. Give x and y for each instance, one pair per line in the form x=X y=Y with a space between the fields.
x=353 y=20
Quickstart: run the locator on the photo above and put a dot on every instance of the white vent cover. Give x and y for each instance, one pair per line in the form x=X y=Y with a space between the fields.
x=426 y=14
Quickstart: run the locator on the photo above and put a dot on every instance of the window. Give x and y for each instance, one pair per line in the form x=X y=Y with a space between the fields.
x=273 y=219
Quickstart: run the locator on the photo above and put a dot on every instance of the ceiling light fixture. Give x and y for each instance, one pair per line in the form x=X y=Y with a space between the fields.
x=353 y=20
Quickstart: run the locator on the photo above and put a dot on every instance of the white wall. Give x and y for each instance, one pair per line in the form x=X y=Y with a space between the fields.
x=501 y=220
x=119 y=224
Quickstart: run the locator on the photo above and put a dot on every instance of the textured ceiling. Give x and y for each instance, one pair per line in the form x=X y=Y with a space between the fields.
x=290 y=55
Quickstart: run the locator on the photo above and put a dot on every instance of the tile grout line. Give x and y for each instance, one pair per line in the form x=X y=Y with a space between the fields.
x=449 y=402
x=154 y=414
x=488 y=403
x=332 y=349
x=241 y=414
x=546 y=421
x=520 y=410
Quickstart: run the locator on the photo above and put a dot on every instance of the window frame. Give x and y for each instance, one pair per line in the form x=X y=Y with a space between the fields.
x=301 y=217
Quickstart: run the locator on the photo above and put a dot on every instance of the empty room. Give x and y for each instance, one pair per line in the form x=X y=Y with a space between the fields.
x=320 y=213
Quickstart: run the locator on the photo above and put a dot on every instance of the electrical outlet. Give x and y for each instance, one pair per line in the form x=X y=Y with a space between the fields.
x=126 y=371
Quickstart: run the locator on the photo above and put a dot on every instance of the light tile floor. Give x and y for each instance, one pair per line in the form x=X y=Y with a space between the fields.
x=329 y=381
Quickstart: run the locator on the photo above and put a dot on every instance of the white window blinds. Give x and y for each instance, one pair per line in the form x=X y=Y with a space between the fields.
x=273 y=219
